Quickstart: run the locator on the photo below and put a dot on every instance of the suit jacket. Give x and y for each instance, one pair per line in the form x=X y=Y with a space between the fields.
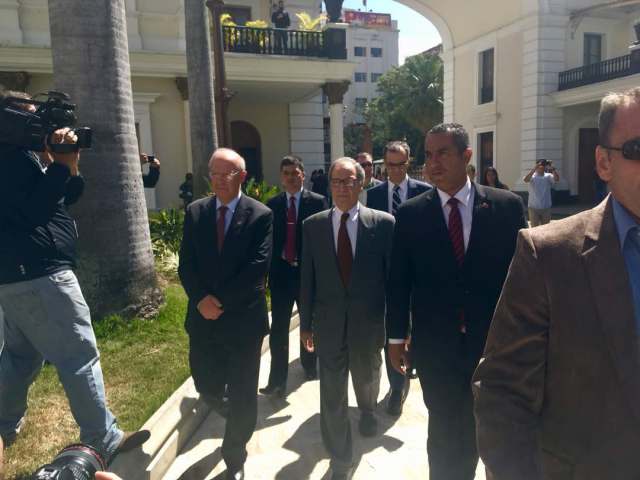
x=326 y=307
x=310 y=203
x=557 y=395
x=236 y=276
x=427 y=285
x=378 y=196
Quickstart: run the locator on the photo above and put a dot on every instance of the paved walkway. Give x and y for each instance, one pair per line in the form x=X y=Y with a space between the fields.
x=287 y=443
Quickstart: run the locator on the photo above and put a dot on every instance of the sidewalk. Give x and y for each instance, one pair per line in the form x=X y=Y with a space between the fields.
x=287 y=445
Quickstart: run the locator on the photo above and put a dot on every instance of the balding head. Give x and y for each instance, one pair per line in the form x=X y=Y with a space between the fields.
x=227 y=171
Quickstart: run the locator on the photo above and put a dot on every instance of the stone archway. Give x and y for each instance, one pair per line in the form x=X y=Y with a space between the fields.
x=447 y=50
x=245 y=139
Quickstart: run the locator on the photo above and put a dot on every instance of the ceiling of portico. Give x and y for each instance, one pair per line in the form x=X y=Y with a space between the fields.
x=272 y=92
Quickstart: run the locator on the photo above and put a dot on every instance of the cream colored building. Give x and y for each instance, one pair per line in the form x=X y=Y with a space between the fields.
x=525 y=78
x=277 y=107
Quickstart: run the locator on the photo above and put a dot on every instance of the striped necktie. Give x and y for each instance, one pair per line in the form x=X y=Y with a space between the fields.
x=396 y=201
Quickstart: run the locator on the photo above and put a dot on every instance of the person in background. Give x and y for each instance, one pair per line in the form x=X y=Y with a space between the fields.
x=540 y=182
x=281 y=21
x=491 y=179
x=471 y=172
x=366 y=162
x=150 y=179
x=186 y=190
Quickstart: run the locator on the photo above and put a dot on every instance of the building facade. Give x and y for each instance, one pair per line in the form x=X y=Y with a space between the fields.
x=277 y=105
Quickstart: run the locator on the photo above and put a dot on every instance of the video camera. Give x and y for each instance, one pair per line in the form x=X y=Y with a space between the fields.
x=75 y=462
x=31 y=130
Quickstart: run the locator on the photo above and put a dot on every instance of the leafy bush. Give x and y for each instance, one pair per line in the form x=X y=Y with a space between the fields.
x=166 y=231
x=260 y=191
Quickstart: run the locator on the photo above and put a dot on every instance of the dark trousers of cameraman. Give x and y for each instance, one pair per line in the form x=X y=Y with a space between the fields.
x=47 y=318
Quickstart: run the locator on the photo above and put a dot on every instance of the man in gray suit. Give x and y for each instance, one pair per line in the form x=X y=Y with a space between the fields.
x=345 y=262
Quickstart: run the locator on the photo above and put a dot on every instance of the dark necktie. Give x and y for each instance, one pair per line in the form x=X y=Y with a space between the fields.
x=395 y=200
x=222 y=214
x=456 y=234
x=345 y=255
x=290 y=244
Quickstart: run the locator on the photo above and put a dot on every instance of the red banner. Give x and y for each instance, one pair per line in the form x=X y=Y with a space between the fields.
x=368 y=19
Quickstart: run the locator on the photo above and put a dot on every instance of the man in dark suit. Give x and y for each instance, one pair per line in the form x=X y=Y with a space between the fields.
x=345 y=264
x=388 y=196
x=224 y=259
x=290 y=208
x=452 y=248
x=366 y=162
x=557 y=392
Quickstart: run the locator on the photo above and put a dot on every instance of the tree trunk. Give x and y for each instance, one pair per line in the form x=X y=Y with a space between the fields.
x=201 y=95
x=91 y=63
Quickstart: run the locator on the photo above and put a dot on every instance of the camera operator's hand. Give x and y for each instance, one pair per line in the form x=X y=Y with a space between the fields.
x=144 y=158
x=107 y=476
x=65 y=135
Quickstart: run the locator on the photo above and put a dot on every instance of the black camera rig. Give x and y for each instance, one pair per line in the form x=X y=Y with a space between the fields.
x=30 y=127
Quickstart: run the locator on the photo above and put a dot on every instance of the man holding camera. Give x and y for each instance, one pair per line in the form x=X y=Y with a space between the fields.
x=540 y=179
x=45 y=314
x=150 y=179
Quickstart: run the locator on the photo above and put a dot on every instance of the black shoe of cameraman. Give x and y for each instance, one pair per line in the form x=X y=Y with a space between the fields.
x=131 y=440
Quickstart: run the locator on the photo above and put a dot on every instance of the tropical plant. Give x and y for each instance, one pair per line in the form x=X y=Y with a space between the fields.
x=166 y=230
x=260 y=190
x=91 y=61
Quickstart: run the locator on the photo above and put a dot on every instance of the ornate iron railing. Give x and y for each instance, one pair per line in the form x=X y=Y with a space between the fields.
x=274 y=41
x=596 y=72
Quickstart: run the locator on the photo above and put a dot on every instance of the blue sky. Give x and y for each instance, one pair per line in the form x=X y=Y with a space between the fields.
x=416 y=32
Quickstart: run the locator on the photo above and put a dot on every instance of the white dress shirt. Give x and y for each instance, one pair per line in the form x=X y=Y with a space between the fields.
x=232 y=209
x=404 y=191
x=465 y=198
x=352 y=226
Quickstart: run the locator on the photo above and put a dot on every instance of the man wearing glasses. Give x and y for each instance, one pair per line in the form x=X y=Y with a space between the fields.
x=224 y=259
x=557 y=393
x=366 y=162
x=344 y=269
x=388 y=196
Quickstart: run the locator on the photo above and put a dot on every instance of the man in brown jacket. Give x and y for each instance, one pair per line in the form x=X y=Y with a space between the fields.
x=558 y=393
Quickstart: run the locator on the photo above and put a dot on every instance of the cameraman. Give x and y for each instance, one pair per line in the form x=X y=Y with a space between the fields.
x=150 y=179
x=540 y=179
x=45 y=314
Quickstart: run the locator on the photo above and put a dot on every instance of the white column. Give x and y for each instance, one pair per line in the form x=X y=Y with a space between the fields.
x=142 y=112
x=306 y=131
x=10 y=31
x=337 y=130
x=335 y=93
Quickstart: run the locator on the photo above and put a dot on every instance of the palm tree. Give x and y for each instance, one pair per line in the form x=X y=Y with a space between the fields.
x=201 y=93
x=91 y=63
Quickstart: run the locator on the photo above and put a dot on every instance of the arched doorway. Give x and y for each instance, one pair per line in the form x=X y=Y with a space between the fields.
x=245 y=140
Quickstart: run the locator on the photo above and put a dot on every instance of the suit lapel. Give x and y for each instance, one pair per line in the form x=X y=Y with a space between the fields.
x=237 y=223
x=481 y=213
x=410 y=189
x=208 y=226
x=438 y=231
x=304 y=207
x=330 y=253
x=385 y=197
x=612 y=296
x=363 y=237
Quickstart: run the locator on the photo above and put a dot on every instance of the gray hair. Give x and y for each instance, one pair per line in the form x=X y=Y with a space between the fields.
x=351 y=162
x=232 y=154
x=397 y=146
x=609 y=107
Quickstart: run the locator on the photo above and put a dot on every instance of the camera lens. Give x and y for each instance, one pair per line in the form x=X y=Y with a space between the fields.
x=75 y=462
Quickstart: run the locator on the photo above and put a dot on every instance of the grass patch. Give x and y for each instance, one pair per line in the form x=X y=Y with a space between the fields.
x=143 y=363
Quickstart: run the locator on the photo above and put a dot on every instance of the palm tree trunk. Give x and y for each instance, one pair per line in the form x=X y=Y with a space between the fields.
x=201 y=96
x=91 y=63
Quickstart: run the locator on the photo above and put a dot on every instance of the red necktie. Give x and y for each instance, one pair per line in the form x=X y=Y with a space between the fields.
x=345 y=254
x=222 y=213
x=456 y=234
x=290 y=245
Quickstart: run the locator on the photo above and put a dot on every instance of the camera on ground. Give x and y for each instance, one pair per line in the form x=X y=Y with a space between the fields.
x=74 y=462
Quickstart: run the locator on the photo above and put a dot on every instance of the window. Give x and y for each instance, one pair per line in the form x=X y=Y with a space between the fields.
x=592 y=48
x=485 y=70
x=485 y=144
x=240 y=15
x=360 y=105
x=360 y=51
x=376 y=52
x=361 y=77
x=375 y=77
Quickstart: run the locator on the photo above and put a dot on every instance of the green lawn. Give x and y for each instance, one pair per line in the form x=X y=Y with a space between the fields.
x=143 y=362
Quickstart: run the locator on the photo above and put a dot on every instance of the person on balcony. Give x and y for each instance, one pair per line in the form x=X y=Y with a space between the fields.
x=281 y=21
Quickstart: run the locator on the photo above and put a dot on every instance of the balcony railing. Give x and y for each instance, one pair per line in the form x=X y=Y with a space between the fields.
x=274 y=41
x=597 y=72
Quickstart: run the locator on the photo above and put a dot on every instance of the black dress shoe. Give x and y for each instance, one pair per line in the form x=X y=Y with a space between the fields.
x=235 y=475
x=310 y=375
x=217 y=404
x=273 y=390
x=396 y=400
x=368 y=424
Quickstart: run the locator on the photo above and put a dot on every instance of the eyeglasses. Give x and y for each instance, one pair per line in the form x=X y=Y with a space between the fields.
x=224 y=176
x=366 y=164
x=347 y=182
x=630 y=149
x=396 y=166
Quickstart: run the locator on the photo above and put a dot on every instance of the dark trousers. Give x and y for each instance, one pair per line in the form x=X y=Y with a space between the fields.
x=334 y=412
x=284 y=291
x=451 y=442
x=215 y=363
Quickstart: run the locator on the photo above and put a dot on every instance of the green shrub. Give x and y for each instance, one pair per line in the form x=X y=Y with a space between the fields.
x=165 y=227
x=260 y=191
